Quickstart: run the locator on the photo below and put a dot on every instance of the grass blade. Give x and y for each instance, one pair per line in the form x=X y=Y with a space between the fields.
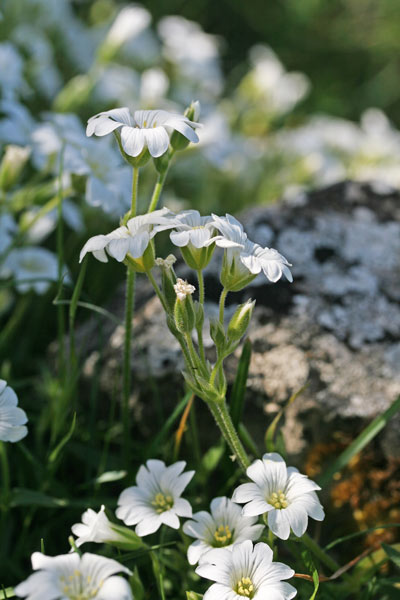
x=270 y=433
x=359 y=443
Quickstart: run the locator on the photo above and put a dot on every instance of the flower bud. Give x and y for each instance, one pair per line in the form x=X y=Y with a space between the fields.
x=240 y=321
x=184 y=313
x=168 y=280
x=14 y=160
x=217 y=333
x=179 y=141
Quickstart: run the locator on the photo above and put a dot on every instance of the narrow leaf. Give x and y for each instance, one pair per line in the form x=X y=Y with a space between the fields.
x=392 y=553
x=54 y=454
x=270 y=433
x=359 y=443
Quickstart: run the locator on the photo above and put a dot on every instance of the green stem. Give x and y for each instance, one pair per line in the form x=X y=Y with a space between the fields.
x=126 y=374
x=129 y=309
x=221 y=415
x=60 y=255
x=135 y=183
x=195 y=361
x=157 y=290
x=215 y=370
x=72 y=313
x=222 y=299
x=199 y=329
x=159 y=186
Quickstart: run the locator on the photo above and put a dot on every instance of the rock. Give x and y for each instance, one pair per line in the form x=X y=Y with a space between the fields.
x=336 y=328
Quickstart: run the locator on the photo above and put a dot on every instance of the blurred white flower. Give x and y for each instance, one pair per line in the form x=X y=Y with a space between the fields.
x=12 y=418
x=245 y=572
x=195 y=52
x=95 y=527
x=153 y=86
x=156 y=499
x=129 y=22
x=33 y=268
x=11 y=66
x=287 y=496
x=73 y=577
x=224 y=527
x=17 y=124
x=251 y=256
x=146 y=128
x=183 y=288
x=280 y=90
x=132 y=238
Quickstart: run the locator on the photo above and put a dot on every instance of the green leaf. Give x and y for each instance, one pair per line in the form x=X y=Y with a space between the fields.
x=345 y=538
x=212 y=457
x=137 y=585
x=309 y=563
x=26 y=497
x=54 y=454
x=392 y=553
x=270 y=433
x=169 y=423
x=239 y=386
x=7 y=593
x=193 y=596
x=359 y=443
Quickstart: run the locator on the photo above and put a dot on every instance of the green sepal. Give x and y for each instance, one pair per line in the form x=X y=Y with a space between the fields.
x=197 y=258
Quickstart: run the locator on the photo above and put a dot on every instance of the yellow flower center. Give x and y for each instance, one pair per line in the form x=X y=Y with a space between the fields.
x=162 y=503
x=77 y=587
x=245 y=587
x=223 y=536
x=278 y=500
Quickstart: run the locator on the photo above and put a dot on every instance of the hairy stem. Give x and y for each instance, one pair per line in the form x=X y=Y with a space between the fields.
x=222 y=299
x=224 y=422
x=199 y=329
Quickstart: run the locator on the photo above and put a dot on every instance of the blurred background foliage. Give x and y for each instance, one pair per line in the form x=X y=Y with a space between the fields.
x=350 y=49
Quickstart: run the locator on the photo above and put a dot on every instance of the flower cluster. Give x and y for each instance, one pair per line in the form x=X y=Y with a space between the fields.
x=195 y=236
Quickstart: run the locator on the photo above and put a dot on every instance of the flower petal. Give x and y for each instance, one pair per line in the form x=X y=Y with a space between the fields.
x=132 y=140
x=157 y=140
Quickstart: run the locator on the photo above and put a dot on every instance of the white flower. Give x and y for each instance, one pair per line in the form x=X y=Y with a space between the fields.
x=224 y=527
x=130 y=22
x=245 y=572
x=287 y=496
x=156 y=499
x=183 y=288
x=12 y=418
x=252 y=256
x=95 y=527
x=74 y=577
x=191 y=228
x=33 y=268
x=132 y=238
x=146 y=128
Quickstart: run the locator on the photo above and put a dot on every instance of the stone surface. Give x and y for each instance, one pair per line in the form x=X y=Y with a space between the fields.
x=336 y=328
